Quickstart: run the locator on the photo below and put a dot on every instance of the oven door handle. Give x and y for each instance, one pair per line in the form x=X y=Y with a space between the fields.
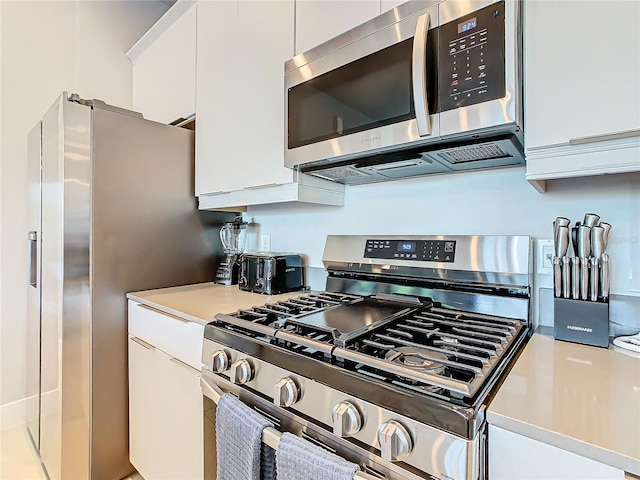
x=419 y=75
x=270 y=436
x=211 y=391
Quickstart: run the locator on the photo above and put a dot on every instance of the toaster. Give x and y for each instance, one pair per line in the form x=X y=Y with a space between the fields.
x=271 y=273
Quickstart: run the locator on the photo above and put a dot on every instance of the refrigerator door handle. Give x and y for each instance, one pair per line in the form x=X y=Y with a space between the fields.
x=33 y=258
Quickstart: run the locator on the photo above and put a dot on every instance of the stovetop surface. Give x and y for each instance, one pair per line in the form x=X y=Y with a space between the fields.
x=425 y=326
x=411 y=343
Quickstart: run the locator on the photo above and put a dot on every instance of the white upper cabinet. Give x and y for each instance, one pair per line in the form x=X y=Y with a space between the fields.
x=164 y=66
x=242 y=47
x=320 y=20
x=582 y=101
x=241 y=50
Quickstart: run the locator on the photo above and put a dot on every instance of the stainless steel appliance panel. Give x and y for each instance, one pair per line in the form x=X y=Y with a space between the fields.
x=140 y=169
x=76 y=319
x=118 y=215
x=57 y=123
x=497 y=254
x=394 y=383
x=34 y=193
x=426 y=88
x=500 y=112
x=374 y=138
x=454 y=457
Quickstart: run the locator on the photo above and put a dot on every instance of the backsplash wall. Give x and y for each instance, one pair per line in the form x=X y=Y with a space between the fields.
x=483 y=202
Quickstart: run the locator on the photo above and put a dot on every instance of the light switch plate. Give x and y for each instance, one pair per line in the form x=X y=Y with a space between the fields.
x=544 y=256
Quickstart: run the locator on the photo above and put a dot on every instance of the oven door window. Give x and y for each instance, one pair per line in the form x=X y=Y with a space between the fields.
x=371 y=92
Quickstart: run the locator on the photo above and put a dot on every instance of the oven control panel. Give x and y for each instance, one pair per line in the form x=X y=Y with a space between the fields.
x=416 y=250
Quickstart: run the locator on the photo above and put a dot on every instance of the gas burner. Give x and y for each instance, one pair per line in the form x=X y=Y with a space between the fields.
x=418 y=359
x=449 y=344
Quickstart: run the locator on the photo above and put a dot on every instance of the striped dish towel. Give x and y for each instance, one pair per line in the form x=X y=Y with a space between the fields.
x=299 y=459
x=239 y=442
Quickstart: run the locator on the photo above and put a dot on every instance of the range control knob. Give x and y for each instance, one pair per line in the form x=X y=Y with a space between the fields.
x=395 y=441
x=347 y=419
x=219 y=361
x=241 y=372
x=286 y=393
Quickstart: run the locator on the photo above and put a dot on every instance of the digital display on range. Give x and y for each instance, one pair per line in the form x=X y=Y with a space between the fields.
x=407 y=247
x=468 y=25
x=412 y=250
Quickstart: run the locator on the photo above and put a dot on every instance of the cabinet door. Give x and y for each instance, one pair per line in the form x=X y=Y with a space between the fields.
x=165 y=415
x=164 y=73
x=318 y=20
x=242 y=47
x=582 y=70
x=514 y=457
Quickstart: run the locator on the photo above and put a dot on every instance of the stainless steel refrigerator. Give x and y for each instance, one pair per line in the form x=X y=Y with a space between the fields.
x=111 y=210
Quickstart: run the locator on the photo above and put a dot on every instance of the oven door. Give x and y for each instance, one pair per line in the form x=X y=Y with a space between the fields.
x=362 y=96
x=373 y=466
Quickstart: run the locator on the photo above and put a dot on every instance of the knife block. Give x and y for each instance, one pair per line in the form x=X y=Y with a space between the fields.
x=581 y=321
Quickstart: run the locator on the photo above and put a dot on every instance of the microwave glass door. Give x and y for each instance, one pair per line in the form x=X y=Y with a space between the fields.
x=371 y=92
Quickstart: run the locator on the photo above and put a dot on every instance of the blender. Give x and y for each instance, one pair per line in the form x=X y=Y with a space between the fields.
x=233 y=236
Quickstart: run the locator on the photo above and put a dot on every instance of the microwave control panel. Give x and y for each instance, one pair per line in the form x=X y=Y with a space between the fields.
x=416 y=250
x=471 y=59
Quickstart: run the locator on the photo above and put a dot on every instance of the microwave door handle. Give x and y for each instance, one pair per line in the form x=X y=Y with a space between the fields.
x=419 y=70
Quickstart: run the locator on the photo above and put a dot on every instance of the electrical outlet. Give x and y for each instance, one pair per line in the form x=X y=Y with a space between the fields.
x=544 y=259
x=265 y=243
x=547 y=259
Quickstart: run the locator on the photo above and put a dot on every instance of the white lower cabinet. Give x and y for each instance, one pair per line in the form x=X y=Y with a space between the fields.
x=165 y=414
x=515 y=457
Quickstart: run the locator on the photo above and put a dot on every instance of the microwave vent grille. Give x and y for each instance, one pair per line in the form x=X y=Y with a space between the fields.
x=473 y=154
x=339 y=173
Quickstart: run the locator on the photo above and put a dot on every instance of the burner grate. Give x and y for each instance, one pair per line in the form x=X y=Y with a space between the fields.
x=467 y=346
x=463 y=348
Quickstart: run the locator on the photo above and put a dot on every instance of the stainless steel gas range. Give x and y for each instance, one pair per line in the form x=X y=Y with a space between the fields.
x=392 y=366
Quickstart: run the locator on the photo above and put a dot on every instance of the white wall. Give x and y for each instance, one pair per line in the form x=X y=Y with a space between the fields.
x=483 y=202
x=48 y=47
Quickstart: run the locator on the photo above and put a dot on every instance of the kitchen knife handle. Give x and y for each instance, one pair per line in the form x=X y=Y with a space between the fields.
x=584 y=241
x=591 y=219
x=584 y=278
x=604 y=275
x=557 y=276
x=566 y=277
x=605 y=236
x=562 y=240
x=593 y=281
x=575 y=278
x=597 y=241
x=574 y=241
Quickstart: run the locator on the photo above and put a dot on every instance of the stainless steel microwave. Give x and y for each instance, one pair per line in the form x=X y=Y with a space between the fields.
x=428 y=87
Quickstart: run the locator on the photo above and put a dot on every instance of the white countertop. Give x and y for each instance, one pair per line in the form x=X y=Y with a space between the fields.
x=199 y=303
x=582 y=399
